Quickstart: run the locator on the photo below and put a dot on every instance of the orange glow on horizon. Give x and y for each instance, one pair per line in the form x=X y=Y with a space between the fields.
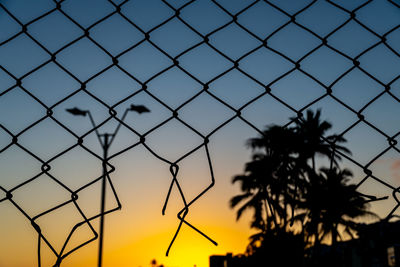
x=190 y=249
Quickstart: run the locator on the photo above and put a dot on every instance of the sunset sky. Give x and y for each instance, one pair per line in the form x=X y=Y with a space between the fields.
x=139 y=232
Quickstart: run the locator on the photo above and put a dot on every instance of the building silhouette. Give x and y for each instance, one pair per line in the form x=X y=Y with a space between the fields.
x=377 y=245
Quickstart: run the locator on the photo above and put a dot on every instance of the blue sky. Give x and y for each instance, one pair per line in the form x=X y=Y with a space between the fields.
x=138 y=168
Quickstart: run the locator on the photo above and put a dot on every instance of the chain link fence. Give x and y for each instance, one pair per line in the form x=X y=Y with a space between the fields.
x=282 y=57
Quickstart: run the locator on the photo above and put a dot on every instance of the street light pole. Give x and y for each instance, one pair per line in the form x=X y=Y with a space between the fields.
x=105 y=144
x=103 y=196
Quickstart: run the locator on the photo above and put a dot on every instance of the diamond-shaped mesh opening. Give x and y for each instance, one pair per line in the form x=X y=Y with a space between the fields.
x=116 y=41
x=21 y=55
x=11 y=162
x=50 y=84
x=90 y=195
x=284 y=39
x=265 y=65
x=266 y=110
x=385 y=63
x=76 y=168
x=365 y=143
x=55 y=31
x=57 y=225
x=46 y=139
x=346 y=41
x=175 y=37
x=24 y=109
x=375 y=14
x=174 y=87
x=204 y=63
x=148 y=61
x=83 y=59
x=111 y=92
x=297 y=89
x=328 y=16
x=205 y=120
x=126 y=139
x=40 y=195
x=235 y=89
x=180 y=137
x=385 y=117
x=356 y=89
x=343 y=118
x=235 y=35
x=195 y=13
x=262 y=19
x=387 y=168
x=316 y=65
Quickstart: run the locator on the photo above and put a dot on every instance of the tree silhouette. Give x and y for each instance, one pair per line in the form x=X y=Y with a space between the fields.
x=331 y=204
x=267 y=179
x=269 y=191
x=281 y=185
x=310 y=130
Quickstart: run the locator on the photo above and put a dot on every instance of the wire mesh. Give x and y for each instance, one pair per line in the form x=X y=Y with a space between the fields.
x=341 y=63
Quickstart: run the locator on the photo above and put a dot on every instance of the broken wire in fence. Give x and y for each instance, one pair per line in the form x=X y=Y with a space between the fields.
x=347 y=16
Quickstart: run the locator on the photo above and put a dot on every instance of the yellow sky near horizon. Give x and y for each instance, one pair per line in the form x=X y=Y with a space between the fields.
x=139 y=233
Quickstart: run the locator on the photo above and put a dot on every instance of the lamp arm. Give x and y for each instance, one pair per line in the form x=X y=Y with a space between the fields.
x=119 y=125
x=94 y=126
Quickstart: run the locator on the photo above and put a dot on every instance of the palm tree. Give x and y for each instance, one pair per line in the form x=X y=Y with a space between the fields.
x=340 y=205
x=266 y=183
x=281 y=187
x=310 y=131
x=331 y=204
x=255 y=193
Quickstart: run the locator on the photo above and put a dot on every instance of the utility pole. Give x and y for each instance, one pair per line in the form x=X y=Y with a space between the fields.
x=105 y=141
x=106 y=145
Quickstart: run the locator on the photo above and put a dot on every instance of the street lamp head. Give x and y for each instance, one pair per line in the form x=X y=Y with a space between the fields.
x=139 y=108
x=76 y=111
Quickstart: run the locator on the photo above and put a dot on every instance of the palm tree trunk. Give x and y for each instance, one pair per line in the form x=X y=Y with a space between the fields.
x=268 y=200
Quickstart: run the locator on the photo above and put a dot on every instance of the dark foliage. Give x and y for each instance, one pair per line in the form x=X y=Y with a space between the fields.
x=296 y=203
